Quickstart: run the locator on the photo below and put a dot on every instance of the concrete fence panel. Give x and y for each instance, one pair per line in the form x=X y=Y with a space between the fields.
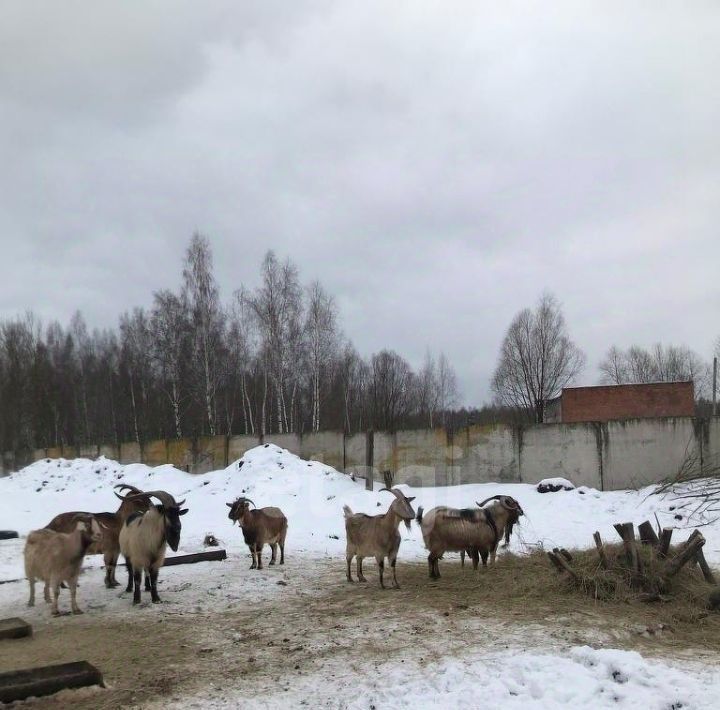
x=238 y=445
x=180 y=453
x=210 y=454
x=643 y=451
x=154 y=453
x=291 y=442
x=324 y=446
x=109 y=451
x=130 y=452
x=484 y=453
x=569 y=450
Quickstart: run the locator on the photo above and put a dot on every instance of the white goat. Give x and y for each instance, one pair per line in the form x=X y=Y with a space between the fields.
x=144 y=538
x=57 y=557
x=377 y=535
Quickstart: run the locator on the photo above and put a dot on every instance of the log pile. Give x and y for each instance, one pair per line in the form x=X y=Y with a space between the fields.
x=647 y=566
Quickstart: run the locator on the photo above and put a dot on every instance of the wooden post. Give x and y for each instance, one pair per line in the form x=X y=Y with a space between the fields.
x=664 y=545
x=707 y=572
x=601 y=550
x=627 y=533
x=648 y=535
x=688 y=552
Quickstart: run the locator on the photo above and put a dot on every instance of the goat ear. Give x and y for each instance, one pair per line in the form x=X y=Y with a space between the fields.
x=229 y=505
x=410 y=499
x=183 y=511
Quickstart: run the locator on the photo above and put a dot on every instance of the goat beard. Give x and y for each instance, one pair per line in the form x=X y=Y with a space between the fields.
x=408 y=524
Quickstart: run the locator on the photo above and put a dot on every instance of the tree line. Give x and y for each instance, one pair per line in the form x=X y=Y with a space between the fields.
x=272 y=359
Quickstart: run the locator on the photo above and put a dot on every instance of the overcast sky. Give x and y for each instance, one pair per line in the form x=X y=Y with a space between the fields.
x=436 y=165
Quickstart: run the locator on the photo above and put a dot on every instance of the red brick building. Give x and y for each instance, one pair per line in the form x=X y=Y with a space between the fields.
x=605 y=402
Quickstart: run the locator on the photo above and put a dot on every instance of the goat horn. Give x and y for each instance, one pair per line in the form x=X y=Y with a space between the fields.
x=251 y=501
x=128 y=487
x=394 y=491
x=487 y=500
x=163 y=496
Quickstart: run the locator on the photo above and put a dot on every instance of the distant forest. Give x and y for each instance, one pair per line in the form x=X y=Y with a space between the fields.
x=273 y=359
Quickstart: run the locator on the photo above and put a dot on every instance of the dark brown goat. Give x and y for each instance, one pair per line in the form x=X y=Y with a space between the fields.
x=263 y=526
x=110 y=523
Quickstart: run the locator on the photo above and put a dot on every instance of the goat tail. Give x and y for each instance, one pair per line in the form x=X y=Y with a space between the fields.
x=419 y=515
x=347 y=512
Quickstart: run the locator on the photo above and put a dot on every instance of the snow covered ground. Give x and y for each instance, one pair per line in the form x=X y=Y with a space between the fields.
x=524 y=671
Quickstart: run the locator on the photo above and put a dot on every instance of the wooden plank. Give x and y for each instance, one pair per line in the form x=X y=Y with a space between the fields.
x=32 y=682
x=208 y=556
x=14 y=628
x=8 y=534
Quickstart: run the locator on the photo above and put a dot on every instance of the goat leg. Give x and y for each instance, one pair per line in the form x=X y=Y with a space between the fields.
x=258 y=550
x=111 y=559
x=361 y=576
x=56 y=594
x=129 y=587
x=392 y=564
x=31 y=601
x=381 y=567
x=282 y=553
x=254 y=557
x=349 y=575
x=137 y=579
x=72 y=583
x=153 y=585
x=148 y=585
x=273 y=547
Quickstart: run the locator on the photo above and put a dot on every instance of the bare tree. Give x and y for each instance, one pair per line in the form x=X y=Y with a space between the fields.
x=207 y=322
x=392 y=385
x=447 y=389
x=242 y=344
x=659 y=364
x=278 y=309
x=537 y=359
x=170 y=325
x=321 y=334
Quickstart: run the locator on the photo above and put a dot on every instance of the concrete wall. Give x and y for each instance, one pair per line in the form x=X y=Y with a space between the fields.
x=609 y=455
x=567 y=450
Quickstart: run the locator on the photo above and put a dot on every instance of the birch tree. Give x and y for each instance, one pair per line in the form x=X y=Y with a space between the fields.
x=207 y=323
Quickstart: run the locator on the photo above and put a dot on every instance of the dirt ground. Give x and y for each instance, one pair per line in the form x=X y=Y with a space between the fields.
x=318 y=622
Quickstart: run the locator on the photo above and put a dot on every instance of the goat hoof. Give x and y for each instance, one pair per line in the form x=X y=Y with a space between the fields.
x=271 y=563
x=157 y=601
x=78 y=611
x=351 y=580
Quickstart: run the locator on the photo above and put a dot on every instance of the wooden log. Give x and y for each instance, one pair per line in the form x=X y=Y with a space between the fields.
x=687 y=553
x=600 y=549
x=207 y=556
x=14 y=628
x=707 y=572
x=648 y=536
x=665 y=537
x=562 y=565
x=8 y=534
x=31 y=682
x=565 y=554
x=554 y=559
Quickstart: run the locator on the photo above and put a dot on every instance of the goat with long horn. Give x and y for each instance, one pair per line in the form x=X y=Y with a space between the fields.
x=377 y=535
x=145 y=536
x=263 y=526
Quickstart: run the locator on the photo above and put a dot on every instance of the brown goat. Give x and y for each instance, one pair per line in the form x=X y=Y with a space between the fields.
x=263 y=526
x=111 y=523
x=474 y=530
